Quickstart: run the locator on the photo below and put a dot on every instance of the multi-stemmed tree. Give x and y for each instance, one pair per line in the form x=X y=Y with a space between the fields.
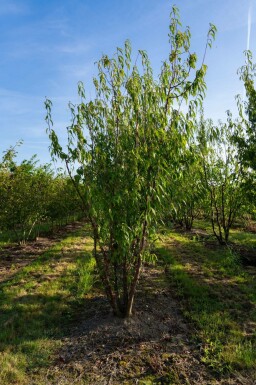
x=222 y=175
x=127 y=143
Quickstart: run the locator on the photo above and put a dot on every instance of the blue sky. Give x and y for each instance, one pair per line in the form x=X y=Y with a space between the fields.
x=47 y=46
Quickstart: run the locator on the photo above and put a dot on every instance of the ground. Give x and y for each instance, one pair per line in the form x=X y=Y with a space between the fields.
x=15 y=257
x=166 y=341
x=155 y=341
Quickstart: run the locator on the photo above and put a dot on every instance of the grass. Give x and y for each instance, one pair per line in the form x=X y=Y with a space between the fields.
x=8 y=237
x=218 y=296
x=37 y=304
x=237 y=236
x=243 y=238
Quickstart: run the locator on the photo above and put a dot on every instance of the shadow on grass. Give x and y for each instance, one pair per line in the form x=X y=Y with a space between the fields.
x=220 y=308
x=14 y=258
x=37 y=305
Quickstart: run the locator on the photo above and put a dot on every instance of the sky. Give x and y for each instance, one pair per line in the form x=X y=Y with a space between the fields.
x=47 y=46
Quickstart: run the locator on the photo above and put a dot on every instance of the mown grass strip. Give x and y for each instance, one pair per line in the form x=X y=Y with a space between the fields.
x=217 y=310
x=36 y=306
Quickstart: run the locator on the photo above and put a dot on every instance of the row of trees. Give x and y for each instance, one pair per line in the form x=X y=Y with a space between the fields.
x=218 y=178
x=31 y=195
x=214 y=181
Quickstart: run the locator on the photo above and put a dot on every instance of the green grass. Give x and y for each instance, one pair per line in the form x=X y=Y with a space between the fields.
x=238 y=236
x=40 y=302
x=217 y=295
x=8 y=237
x=243 y=238
x=37 y=304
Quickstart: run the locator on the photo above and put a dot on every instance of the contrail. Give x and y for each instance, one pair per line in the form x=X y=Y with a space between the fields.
x=249 y=26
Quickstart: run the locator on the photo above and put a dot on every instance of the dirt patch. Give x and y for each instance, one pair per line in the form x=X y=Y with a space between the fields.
x=13 y=258
x=155 y=342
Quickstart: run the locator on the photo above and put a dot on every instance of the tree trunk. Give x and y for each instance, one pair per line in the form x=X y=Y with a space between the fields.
x=128 y=310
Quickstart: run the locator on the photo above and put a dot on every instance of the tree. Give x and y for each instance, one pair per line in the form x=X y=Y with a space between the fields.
x=127 y=142
x=223 y=175
x=245 y=134
x=187 y=192
x=24 y=192
x=246 y=137
x=63 y=201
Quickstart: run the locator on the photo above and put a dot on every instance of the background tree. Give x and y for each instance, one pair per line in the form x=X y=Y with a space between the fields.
x=24 y=195
x=187 y=192
x=223 y=175
x=63 y=203
x=246 y=138
x=245 y=134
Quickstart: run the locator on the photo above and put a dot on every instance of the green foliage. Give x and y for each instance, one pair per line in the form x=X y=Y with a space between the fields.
x=62 y=201
x=128 y=142
x=24 y=194
x=187 y=192
x=223 y=175
x=245 y=134
x=31 y=194
x=246 y=138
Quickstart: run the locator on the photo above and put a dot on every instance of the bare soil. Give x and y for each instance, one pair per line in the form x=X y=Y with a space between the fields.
x=156 y=342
